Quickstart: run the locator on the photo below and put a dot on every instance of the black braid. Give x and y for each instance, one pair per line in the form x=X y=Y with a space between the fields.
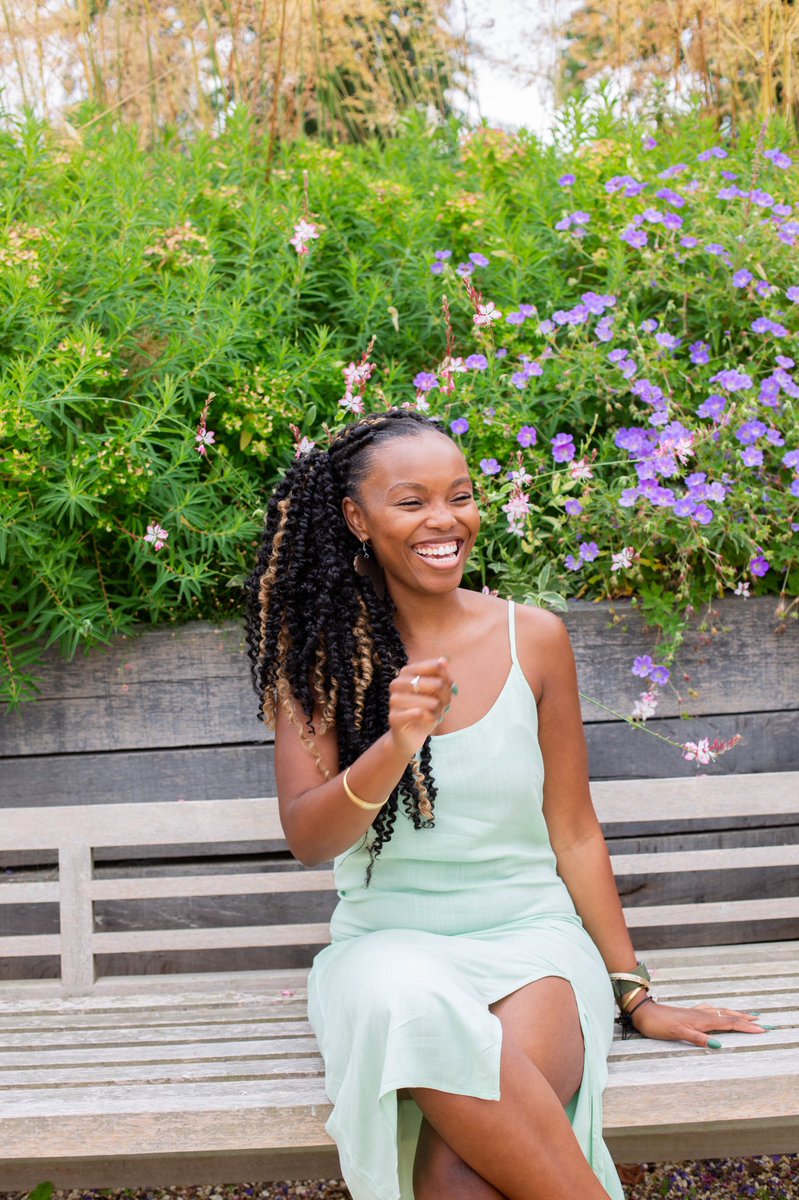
x=316 y=628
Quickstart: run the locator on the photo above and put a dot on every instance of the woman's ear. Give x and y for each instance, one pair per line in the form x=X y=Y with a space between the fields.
x=354 y=518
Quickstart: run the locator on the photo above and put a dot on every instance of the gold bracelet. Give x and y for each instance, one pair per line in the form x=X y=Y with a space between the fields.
x=357 y=799
x=630 y=996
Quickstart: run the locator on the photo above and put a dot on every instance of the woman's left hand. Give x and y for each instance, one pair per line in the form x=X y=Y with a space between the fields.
x=694 y=1024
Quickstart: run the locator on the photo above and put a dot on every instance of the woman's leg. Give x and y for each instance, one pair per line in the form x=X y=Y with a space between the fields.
x=521 y=1147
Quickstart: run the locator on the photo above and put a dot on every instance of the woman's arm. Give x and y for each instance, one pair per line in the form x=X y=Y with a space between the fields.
x=575 y=833
x=318 y=818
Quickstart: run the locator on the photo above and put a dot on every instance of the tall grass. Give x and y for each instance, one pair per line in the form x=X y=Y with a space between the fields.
x=740 y=56
x=330 y=68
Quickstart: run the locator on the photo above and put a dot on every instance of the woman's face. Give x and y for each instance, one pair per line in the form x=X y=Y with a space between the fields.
x=418 y=511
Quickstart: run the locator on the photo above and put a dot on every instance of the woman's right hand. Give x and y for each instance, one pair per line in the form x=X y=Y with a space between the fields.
x=414 y=714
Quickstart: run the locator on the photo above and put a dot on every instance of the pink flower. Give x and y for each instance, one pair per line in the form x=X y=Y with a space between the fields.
x=645 y=706
x=352 y=403
x=743 y=588
x=486 y=313
x=580 y=469
x=517 y=508
x=700 y=751
x=304 y=445
x=303 y=232
x=156 y=535
x=623 y=559
x=205 y=438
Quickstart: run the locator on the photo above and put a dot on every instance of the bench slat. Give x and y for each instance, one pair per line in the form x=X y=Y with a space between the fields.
x=174 y=1051
x=736 y=858
x=256 y=818
x=726 y=912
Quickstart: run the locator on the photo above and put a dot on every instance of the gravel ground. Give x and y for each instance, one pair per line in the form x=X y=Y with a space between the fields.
x=773 y=1177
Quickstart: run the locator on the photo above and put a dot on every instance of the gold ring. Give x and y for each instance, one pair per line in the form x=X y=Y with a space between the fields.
x=415 y=682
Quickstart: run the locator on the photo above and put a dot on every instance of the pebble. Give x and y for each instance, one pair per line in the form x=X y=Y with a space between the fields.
x=767 y=1177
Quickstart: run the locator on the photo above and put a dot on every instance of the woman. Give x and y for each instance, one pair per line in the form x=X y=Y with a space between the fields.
x=428 y=738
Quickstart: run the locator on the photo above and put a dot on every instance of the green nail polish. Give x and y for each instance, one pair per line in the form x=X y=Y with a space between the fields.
x=454 y=689
x=768 y=1026
x=713 y=1044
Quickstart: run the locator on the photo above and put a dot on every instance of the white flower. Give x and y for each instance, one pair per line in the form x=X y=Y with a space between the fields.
x=486 y=313
x=304 y=446
x=581 y=469
x=156 y=535
x=699 y=750
x=743 y=589
x=352 y=403
x=645 y=706
x=623 y=559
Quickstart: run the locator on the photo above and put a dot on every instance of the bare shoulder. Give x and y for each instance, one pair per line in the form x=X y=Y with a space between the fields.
x=544 y=646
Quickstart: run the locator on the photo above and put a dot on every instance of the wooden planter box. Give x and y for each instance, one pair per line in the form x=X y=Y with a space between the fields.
x=171 y=715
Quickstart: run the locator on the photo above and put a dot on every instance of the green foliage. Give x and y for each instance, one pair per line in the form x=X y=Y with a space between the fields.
x=135 y=289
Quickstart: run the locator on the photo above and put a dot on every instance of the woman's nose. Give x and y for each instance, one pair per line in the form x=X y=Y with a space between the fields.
x=442 y=516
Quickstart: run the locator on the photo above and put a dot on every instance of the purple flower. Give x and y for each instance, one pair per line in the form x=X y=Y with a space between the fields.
x=712 y=407
x=642 y=665
x=673 y=198
x=670 y=172
x=501 y=352
x=637 y=238
x=515 y=318
x=465 y=268
x=795 y=492
x=778 y=158
x=689 y=241
x=793 y=294
x=573 y=507
x=729 y=193
x=459 y=425
x=764 y=288
x=628 y=497
x=653 y=215
x=567 y=180
x=759 y=565
x=668 y=341
x=489 y=466
x=479 y=259
x=764 y=325
x=791 y=458
x=761 y=198
x=649 y=143
x=660 y=674
x=588 y=551
x=563 y=447
x=713 y=152
x=702 y=514
x=649 y=325
x=437 y=268
x=751 y=456
x=527 y=436
x=519 y=379
x=673 y=221
x=733 y=380
x=715 y=248
x=546 y=326
x=741 y=278
x=476 y=362
x=580 y=217
x=425 y=381
x=574 y=564
x=442 y=254
x=527 y=310
x=750 y=431
x=699 y=352
x=604 y=329
x=782 y=360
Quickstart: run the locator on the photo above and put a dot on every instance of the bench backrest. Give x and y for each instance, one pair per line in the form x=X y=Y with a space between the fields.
x=681 y=897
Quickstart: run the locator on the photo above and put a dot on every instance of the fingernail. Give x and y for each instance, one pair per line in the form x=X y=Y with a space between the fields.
x=454 y=689
x=449 y=706
x=768 y=1026
x=713 y=1044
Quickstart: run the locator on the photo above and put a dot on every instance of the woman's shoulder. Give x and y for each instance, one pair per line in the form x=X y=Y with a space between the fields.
x=543 y=645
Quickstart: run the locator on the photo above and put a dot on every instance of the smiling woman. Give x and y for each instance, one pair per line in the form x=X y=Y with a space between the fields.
x=464 y=1006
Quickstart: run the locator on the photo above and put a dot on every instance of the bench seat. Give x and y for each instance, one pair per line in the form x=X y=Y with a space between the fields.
x=213 y=1077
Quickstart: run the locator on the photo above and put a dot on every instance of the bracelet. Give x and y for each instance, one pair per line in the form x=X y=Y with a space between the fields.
x=625 y=982
x=626 y=1018
x=630 y=996
x=357 y=799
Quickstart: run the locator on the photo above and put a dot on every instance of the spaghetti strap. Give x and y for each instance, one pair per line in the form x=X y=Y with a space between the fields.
x=512 y=631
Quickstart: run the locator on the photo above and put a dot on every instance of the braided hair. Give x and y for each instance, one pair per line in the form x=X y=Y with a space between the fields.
x=317 y=630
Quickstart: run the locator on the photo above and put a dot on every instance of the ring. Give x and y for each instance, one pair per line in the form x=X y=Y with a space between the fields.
x=415 y=682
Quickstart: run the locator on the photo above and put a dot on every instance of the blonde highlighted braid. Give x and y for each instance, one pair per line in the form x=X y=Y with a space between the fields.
x=318 y=634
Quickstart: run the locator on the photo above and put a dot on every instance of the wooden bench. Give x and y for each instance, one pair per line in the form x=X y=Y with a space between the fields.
x=212 y=1077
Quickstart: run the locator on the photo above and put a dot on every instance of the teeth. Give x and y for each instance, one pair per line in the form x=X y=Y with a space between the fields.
x=439 y=551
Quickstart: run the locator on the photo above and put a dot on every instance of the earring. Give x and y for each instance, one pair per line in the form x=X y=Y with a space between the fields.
x=359 y=561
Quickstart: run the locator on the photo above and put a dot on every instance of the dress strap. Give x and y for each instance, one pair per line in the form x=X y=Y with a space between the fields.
x=512 y=631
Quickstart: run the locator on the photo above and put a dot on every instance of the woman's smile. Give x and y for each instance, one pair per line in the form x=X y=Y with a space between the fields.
x=440 y=554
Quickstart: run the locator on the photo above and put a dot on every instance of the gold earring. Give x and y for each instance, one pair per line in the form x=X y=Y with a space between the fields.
x=359 y=561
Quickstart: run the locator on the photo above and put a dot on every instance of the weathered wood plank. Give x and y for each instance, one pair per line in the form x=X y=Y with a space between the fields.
x=88 y=704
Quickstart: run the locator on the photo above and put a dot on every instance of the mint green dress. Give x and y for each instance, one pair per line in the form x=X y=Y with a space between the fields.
x=456 y=917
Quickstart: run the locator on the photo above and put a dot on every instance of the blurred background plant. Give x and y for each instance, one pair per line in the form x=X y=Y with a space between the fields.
x=196 y=252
